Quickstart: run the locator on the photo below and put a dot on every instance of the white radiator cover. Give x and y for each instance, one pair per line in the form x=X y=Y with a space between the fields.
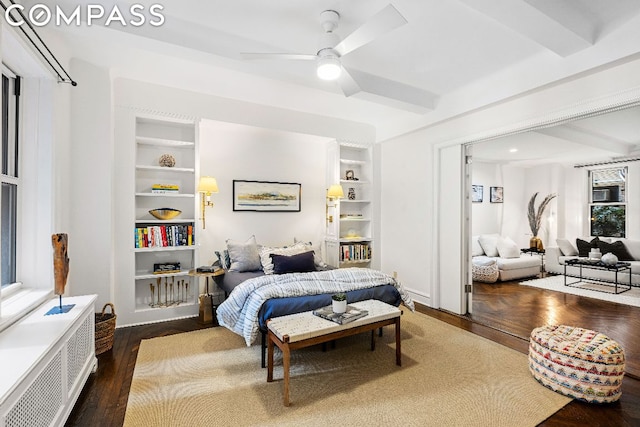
x=46 y=361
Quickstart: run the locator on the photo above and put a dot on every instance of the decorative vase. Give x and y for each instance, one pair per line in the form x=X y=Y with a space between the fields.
x=535 y=243
x=609 y=259
x=167 y=161
x=339 y=306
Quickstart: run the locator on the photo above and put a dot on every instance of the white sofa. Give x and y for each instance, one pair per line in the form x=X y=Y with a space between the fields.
x=510 y=262
x=566 y=249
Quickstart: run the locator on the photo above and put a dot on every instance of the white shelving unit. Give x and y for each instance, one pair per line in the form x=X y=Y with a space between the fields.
x=141 y=295
x=349 y=238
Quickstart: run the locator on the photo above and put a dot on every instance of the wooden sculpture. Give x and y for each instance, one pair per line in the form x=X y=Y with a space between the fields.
x=60 y=261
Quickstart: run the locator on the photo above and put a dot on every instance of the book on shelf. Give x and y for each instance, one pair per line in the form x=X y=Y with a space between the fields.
x=165 y=188
x=350 y=315
x=157 y=236
x=355 y=252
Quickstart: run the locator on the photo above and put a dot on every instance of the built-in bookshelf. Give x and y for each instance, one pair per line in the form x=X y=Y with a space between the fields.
x=349 y=233
x=163 y=174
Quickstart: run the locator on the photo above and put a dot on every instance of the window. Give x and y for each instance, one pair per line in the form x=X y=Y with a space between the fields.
x=10 y=179
x=608 y=202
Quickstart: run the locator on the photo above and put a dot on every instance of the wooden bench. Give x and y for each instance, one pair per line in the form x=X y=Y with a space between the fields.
x=305 y=329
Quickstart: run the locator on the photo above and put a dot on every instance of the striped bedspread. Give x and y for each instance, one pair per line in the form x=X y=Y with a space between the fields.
x=239 y=312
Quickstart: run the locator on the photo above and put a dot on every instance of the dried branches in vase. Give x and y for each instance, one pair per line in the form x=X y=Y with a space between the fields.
x=535 y=218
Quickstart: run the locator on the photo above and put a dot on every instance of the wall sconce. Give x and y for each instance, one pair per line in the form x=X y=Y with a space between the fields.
x=333 y=193
x=206 y=186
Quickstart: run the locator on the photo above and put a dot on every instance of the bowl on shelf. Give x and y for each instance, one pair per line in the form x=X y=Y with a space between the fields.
x=165 y=213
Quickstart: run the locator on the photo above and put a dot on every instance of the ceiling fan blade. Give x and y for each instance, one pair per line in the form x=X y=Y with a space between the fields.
x=348 y=84
x=296 y=56
x=382 y=22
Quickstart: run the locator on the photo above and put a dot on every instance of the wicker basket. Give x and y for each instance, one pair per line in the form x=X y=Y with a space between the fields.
x=105 y=327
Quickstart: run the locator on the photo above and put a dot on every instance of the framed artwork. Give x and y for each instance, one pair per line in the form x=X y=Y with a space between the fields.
x=477 y=192
x=266 y=196
x=496 y=195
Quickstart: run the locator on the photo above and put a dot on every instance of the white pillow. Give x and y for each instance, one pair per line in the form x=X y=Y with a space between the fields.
x=476 y=249
x=507 y=248
x=489 y=243
x=244 y=256
x=566 y=247
x=317 y=252
x=266 y=251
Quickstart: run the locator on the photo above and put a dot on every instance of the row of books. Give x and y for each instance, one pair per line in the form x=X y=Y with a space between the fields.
x=165 y=189
x=355 y=252
x=158 y=236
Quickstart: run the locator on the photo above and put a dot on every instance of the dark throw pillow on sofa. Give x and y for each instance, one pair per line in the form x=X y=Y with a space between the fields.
x=617 y=248
x=585 y=247
x=299 y=263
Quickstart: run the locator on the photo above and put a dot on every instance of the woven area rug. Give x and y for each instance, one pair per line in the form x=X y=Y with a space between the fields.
x=586 y=289
x=449 y=377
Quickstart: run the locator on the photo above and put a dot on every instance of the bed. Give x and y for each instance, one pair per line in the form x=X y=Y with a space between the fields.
x=263 y=282
x=253 y=297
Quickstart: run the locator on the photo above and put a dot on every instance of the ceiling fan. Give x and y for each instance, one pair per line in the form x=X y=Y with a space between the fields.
x=329 y=66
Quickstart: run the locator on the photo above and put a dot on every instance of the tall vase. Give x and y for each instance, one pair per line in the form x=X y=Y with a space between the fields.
x=535 y=243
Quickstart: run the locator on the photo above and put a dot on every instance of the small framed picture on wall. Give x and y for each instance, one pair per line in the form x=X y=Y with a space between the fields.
x=496 y=195
x=477 y=192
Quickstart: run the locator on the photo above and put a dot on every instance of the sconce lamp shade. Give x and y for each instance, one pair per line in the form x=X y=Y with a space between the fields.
x=207 y=185
x=335 y=191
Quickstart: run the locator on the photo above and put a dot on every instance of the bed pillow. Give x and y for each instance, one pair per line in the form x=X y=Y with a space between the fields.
x=585 y=247
x=507 y=248
x=317 y=257
x=299 y=263
x=223 y=259
x=566 y=247
x=267 y=263
x=489 y=243
x=617 y=248
x=244 y=256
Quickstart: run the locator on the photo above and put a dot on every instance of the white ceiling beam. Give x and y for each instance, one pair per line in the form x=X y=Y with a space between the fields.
x=525 y=19
x=393 y=94
x=589 y=139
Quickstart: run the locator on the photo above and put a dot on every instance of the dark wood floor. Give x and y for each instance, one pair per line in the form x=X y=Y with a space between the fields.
x=504 y=312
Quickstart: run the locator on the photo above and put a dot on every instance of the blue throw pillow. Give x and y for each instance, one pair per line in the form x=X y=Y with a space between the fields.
x=299 y=263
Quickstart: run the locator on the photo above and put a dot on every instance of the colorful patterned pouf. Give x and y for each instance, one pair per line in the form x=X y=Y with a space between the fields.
x=579 y=363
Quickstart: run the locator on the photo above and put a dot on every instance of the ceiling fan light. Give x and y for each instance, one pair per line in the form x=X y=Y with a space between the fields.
x=329 y=68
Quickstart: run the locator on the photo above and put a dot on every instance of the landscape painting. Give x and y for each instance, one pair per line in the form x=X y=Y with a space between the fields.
x=266 y=196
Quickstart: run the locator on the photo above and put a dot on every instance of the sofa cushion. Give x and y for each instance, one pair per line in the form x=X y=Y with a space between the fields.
x=483 y=260
x=617 y=248
x=566 y=247
x=585 y=247
x=489 y=243
x=524 y=261
x=476 y=249
x=633 y=246
x=635 y=267
x=507 y=248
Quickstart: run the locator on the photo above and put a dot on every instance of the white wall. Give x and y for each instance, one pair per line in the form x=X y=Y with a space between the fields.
x=405 y=212
x=89 y=176
x=486 y=216
x=231 y=151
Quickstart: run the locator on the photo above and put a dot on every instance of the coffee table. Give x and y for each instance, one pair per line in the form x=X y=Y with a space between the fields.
x=305 y=329
x=590 y=264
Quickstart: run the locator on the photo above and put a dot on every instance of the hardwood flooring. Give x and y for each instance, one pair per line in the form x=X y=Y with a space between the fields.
x=504 y=312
